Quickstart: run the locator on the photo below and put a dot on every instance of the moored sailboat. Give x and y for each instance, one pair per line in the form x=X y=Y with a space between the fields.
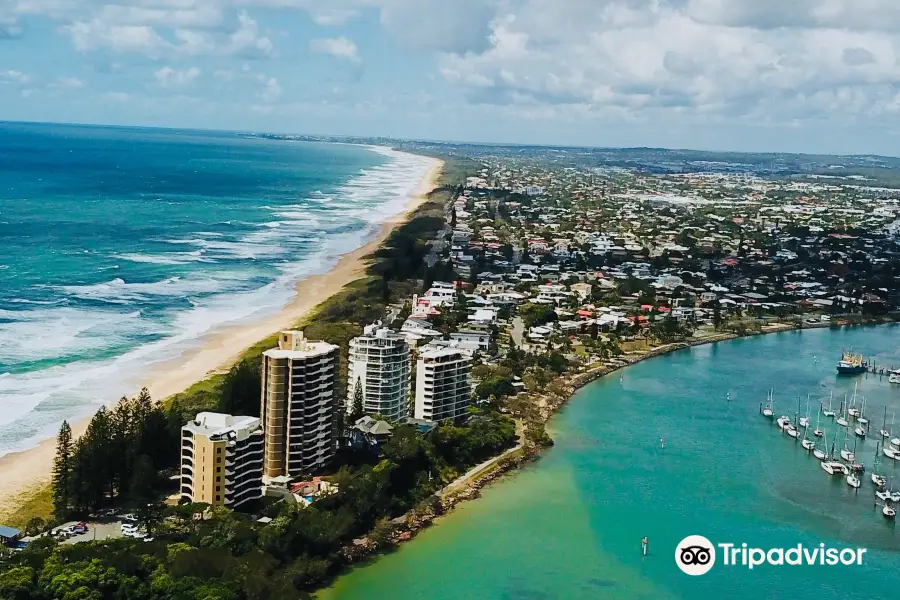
x=828 y=412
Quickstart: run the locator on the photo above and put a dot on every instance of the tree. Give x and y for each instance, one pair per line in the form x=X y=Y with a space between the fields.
x=35 y=526
x=17 y=583
x=717 y=314
x=358 y=409
x=240 y=389
x=143 y=481
x=62 y=473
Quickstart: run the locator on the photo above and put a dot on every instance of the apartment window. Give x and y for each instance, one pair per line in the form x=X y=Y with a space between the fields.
x=218 y=469
x=218 y=488
x=218 y=479
x=218 y=498
x=219 y=450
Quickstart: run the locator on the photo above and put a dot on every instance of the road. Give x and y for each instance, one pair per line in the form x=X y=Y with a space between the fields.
x=518 y=331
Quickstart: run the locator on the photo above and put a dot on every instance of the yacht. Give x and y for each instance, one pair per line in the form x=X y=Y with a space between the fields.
x=833 y=467
x=828 y=412
x=894 y=376
x=768 y=410
x=853 y=481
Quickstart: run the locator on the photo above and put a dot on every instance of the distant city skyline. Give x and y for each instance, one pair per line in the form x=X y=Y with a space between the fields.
x=814 y=76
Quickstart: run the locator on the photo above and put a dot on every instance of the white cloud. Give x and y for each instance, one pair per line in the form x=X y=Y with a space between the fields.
x=9 y=27
x=705 y=59
x=69 y=83
x=169 y=77
x=13 y=76
x=116 y=97
x=247 y=40
x=170 y=28
x=271 y=92
x=339 y=47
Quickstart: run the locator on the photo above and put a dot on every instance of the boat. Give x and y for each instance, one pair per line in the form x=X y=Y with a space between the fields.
x=879 y=480
x=842 y=420
x=883 y=495
x=891 y=453
x=895 y=442
x=884 y=432
x=821 y=454
x=846 y=454
x=791 y=430
x=829 y=412
x=807 y=444
x=783 y=422
x=853 y=481
x=860 y=418
x=804 y=421
x=833 y=467
x=817 y=432
x=894 y=376
x=851 y=364
x=889 y=512
x=859 y=431
x=852 y=410
x=768 y=410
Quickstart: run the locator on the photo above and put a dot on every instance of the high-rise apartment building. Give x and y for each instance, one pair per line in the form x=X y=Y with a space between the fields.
x=299 y=405
x=443 y=390
x=380 y=368
x=221 y=460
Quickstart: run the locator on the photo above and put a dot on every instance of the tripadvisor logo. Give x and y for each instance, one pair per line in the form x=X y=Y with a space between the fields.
x=696 y=555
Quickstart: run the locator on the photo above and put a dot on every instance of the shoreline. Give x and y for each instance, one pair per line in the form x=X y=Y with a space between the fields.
x=468 y=486
x=25 y=473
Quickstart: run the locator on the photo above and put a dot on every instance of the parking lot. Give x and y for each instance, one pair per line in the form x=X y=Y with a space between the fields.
x=97 y=531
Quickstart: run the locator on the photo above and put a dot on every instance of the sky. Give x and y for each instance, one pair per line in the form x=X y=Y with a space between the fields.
x=751 y=75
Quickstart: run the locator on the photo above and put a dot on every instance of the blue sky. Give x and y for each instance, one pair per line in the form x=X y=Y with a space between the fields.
x=805 y=75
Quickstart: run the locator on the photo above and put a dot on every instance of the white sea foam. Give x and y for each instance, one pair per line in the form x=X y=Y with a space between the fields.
x=299 y=240
x=119 y=291
x=169 y=258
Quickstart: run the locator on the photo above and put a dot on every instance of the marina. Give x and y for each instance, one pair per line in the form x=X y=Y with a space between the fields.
x=569 y=526
x=850 y=415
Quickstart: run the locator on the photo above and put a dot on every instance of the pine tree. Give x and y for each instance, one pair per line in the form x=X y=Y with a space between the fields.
x=62 y=472
x=358 y=409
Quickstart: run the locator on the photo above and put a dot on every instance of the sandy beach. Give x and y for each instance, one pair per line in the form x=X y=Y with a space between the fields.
x=21 y=472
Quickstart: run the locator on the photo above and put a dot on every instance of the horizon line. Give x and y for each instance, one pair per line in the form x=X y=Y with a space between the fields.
x=439 y=141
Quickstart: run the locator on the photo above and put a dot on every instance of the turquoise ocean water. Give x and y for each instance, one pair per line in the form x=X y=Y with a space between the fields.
x=569 y=526
x=120 y=248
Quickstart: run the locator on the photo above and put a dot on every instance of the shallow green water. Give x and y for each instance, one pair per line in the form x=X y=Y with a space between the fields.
x=570 y=525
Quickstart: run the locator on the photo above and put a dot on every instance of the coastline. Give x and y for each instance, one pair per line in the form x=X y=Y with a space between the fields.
x=25 y=474
x=468 y=486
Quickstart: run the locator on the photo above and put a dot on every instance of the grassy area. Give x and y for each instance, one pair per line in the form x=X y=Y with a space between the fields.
x=34 y=502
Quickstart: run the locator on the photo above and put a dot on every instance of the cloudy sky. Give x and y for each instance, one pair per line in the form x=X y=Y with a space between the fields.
x=790 y=75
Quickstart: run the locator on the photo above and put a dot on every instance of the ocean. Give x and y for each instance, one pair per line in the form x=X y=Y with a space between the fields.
x=570 y=525
x=122 y=247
